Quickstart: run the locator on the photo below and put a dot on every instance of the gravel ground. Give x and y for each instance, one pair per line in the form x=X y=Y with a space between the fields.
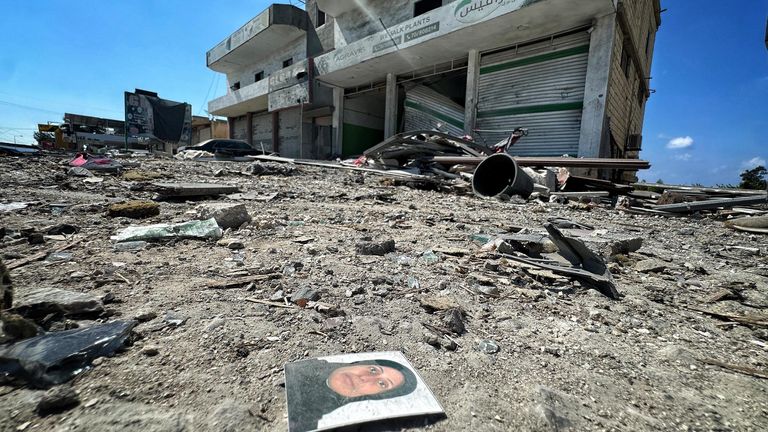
x=569 y=358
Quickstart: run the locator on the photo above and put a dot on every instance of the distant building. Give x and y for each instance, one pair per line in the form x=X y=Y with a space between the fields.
x=204 y=129
x=340 y=76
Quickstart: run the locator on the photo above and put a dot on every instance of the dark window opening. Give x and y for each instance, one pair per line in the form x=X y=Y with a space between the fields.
x=648 y=45
x=625 y=61
x=640 y=94
x=423 y=6
x=320 y=18
x=288 y=62
x=236 y=86
x=258 y=77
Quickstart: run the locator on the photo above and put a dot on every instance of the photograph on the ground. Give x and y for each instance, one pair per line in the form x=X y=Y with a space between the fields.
x=344 y=390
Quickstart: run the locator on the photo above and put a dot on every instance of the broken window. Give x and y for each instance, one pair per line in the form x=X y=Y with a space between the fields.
x=423 y=6
x=288 y=62
x=320 y=18
x=258 y=77
x=625 y=61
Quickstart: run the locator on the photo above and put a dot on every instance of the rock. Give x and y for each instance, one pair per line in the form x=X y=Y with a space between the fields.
x=268 y=168
x=215 y=323
x=528 y=244
x=380 y=248
x=432 y=339
x=13 y=328
x=488 y=347
x=44 y=301
x=449 y=344
x=651 y=266
x=144 y=316
x=227 y=215
x=234 y=244
x=354 y=291
x=56 y=400
x=454 y=321
x=79 y=172
x=488 y=290
x=150 y=350
x=231 y=416
x=36 y=239
x=134 y=209
x=305 y=294
x=278 y=296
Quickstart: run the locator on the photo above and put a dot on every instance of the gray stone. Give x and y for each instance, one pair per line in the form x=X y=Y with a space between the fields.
x=36 y=239
x=454 y=321
x=144 y=316
x=333 y=323
x=379 y=248
x=226 y=215
x=555 y=410
x=488 y=347
x=305 y=293
x=651 y=266
x=44 y=301
x=57 y=400
x=150 y=350
x=79 y=172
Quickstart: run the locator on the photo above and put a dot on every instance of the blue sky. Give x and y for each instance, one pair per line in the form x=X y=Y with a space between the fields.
x=710 y=72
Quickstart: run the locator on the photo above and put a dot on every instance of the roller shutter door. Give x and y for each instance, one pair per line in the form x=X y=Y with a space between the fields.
x=262 y=132
x=539 y=87
x=426 y=108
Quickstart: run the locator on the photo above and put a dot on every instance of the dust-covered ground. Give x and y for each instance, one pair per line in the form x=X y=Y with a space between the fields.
x=569 y=359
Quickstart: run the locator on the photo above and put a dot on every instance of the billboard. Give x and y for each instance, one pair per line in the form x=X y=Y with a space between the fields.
x=147 y=116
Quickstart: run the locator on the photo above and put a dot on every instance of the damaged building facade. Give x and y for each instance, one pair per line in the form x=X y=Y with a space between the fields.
x=342 y=75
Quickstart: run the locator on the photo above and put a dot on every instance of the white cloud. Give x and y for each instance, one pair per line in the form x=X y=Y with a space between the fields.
x=685 y=157
x=680 y=143
x=754 y=163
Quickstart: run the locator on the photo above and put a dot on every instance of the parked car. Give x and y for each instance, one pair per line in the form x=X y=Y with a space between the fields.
x=224 y=147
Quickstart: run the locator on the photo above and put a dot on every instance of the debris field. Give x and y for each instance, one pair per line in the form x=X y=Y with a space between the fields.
x=278 y=263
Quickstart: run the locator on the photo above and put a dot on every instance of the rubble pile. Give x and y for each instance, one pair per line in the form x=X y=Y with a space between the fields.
x=171 y=300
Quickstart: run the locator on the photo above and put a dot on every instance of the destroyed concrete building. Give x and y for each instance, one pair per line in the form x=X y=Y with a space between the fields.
x=340 y=76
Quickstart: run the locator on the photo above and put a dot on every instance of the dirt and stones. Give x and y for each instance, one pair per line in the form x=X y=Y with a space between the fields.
x=568 y=357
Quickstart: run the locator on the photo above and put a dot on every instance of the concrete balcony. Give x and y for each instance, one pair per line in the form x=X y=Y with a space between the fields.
x=450 y=32
x=251 y=98
x=335 y=8
x=259 y=38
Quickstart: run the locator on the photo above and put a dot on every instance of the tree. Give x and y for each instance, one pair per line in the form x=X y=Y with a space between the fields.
x=754 y=179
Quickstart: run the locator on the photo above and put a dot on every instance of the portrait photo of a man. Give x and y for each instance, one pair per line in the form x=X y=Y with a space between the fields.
x=331 y=392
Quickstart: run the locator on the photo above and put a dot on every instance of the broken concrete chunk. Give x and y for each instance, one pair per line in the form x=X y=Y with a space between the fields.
x=305 y=295
x=55 y=358
x=226 y=215
x=379 y=248
x=454 y=321
x=530 y=245
x=56 y=400
x=198 y=230
x=44 y=301
x=79 y=172
x=134 y=209
x=651 y=266
x=269 y=168
x=187 y=190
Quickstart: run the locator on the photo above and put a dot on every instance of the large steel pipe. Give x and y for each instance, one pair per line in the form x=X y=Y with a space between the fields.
x=500 y=175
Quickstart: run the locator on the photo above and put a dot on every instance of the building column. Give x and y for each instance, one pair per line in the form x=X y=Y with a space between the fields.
x=249 y=128
x=276 y=132
x=338 y=121
x=594 y=114
x=473 y=79
x=390 y=111
x=231 y=125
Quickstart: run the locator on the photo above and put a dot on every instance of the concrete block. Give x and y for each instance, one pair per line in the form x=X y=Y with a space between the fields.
x=226 y=215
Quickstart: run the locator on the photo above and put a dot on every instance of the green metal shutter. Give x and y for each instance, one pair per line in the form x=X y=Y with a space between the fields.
x=539 y=87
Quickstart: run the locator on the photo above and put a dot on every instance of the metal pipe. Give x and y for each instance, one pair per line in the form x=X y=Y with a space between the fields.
x=629 y=164
x=499 y=175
